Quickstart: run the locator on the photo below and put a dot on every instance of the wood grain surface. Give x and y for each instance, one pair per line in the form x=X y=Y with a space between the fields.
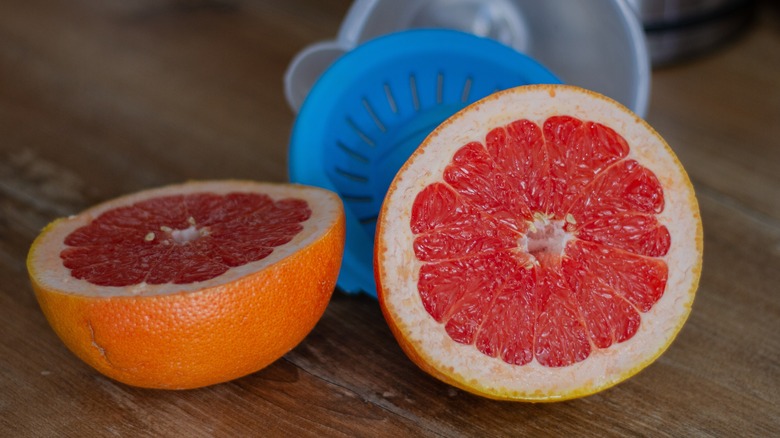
x=102 y=98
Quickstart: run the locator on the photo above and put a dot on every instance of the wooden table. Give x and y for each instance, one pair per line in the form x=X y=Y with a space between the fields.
x=101 y=98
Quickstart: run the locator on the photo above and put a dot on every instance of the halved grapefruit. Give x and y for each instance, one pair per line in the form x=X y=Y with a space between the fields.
x=542 y=244
x=193 y=284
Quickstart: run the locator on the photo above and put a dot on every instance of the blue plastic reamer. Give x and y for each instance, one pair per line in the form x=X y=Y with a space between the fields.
x=374 y=106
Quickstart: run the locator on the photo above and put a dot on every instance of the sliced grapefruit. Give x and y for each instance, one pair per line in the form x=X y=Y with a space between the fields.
x=190 y=285
x=542 y=244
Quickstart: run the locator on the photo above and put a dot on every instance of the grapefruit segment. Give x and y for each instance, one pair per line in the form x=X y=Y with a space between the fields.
x=560 y=337
x=474 y=176
x=609 y=317
x=507 y=330
x=634 y=232
x=625 y=187
x=460 y=230
x=192 y=284
x=518 y=153
x=542 y=244
x=641 y=280
x=576 y=152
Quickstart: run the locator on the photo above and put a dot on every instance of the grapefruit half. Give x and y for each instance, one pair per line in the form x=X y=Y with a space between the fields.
x=193 y=284
x=542 y=244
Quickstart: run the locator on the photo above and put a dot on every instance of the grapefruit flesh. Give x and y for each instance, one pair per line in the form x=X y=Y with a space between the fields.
x=193 y=284
x=542 y=244
x=181 y=239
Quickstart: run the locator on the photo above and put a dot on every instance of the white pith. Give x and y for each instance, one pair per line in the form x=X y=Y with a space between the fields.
x=189 y=234
x=544 y=236
x=325 y=207
x=398 y=268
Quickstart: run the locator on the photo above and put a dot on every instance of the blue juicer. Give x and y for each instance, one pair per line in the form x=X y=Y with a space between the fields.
x=373 y=107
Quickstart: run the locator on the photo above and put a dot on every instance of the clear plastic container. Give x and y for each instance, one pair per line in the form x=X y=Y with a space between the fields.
x=596 y=44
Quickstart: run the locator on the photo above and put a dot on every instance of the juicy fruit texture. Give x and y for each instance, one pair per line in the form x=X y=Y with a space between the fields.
x=542 y=244
x=181 y=239
x=190 y=285
x=552 y=266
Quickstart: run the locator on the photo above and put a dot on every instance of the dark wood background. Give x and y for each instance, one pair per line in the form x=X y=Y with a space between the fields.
x=102 y=98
